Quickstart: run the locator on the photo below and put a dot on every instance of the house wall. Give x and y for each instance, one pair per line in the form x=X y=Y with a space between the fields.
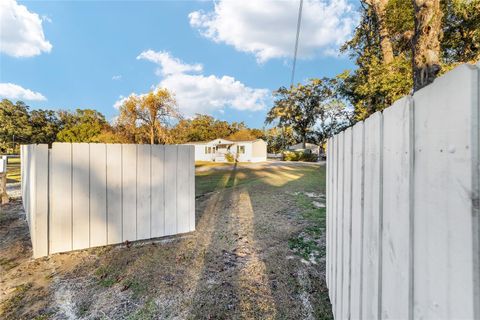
x=310 y=146
x=200 y=154
x=80 y=195
x=259 y=151
x=403 y=226
x=247 y=156
x=254 y=151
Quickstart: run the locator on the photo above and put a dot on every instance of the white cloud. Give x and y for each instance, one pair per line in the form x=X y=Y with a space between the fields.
x=16 y=92
x=21 y=31
x=46 y=18
x=119 y=102
x=198 y=93
x=205 y=94
x=117 y=77
x=267 y=28
x=167 y=64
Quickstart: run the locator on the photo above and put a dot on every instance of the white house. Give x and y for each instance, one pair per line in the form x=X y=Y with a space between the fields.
x=243 y=151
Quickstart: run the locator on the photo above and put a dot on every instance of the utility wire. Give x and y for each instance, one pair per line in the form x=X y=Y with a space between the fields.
x=299 y=21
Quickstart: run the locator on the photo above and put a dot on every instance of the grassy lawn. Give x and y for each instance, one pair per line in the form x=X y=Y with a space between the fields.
x=13 y=170
x=257 y=253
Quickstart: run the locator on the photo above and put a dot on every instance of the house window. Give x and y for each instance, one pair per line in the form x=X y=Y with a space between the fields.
x=240 y=149
x=206 y=150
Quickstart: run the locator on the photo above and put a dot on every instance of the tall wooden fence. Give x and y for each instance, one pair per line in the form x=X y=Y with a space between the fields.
x=80 y=195
x=403 y=207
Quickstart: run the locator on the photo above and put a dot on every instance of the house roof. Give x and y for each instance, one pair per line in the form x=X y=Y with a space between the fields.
x=223 y=141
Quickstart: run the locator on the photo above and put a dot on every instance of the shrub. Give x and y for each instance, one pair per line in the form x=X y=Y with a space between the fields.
x=299 y=156
x=309 y=157
x=229 y=157
x=290 y=155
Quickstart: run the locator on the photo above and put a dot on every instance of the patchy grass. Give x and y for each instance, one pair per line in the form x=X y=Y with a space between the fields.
x=13 y=170
x=107 y=276
x=148 y=311
x=137 y=286
x=209 y=181
x=308 y=244
x=312 y=213
x=16 y=299
x=8 y=264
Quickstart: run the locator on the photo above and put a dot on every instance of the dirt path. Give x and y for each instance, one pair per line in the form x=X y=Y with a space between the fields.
x=258 y=252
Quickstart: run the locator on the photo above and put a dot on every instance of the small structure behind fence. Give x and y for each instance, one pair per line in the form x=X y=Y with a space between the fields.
x=3 y=180
x=403 y=239
x=80 y=195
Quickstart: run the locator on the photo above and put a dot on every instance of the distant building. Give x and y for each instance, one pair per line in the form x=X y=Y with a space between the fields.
x=243 y=151
x=309 y=147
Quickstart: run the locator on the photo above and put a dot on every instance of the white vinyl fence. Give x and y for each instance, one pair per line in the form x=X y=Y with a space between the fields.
x=80 y=195
x=403 y=207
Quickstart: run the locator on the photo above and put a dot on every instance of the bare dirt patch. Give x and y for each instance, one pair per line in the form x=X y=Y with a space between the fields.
x=258 y=252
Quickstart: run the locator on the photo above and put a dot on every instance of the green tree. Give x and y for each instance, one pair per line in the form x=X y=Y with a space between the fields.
x=45 y=126
x=461 y=31
x=203 y=128
x=245 y=135
x=277 y=138
x=333 y=117
x=14 y=120
x=300 y=106
x=83 y=125
x=377 y=81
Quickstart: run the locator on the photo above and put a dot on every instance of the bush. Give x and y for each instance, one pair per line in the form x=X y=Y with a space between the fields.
x=290 y=155
x=299 y=156
x=309 y=157
x=229 y=157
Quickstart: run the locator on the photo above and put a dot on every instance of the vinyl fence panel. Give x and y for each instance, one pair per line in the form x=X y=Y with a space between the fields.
x=114 y=194
x=98 y=194
x=396 y=236
x=372 y=226
x=143 y=191
x=347 y=219
x=357 y=220
x=79 y=195
x=339 y=233
x=129 y=192
x=409 y=247
x=158 y=191
x=171 y=160
x=446 y=197
x=60 y=198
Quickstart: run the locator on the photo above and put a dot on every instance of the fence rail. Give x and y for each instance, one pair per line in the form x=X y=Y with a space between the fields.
x=80 y=195
x=403 y=239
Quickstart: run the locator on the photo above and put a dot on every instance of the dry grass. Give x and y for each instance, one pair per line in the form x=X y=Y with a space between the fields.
x=257 y=254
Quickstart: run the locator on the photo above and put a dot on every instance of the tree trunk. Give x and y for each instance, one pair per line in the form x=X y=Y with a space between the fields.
x=426 y=42
x=152 y=134
x=304 y=142
x=380 y=7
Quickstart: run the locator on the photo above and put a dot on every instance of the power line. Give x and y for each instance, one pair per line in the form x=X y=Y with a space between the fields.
x=299 y=21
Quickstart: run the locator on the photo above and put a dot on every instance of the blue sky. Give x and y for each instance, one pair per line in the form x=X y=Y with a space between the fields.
x=223 y=59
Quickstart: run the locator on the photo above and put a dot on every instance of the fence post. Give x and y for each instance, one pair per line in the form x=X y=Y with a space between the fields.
x=3 y=180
